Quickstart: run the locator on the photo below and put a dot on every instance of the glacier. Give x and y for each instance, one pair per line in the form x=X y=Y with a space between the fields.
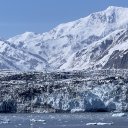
x=76 y=91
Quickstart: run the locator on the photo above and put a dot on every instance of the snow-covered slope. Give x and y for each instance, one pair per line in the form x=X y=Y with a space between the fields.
x=18 y=59
x=89 y=42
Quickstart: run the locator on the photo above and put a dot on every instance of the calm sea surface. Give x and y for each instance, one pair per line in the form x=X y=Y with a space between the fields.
x=62 y=120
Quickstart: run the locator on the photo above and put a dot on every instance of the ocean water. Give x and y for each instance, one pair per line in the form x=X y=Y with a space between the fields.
x=79 y=120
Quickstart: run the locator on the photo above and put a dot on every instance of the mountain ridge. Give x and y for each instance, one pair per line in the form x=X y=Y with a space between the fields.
x=69 y=46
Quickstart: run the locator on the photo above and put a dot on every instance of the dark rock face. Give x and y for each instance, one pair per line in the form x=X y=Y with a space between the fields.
x=117 y=61
x=119 y=57
x=99 y=90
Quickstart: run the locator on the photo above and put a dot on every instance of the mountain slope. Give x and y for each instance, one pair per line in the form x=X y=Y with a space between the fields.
x=87 y=43
x=17 y=59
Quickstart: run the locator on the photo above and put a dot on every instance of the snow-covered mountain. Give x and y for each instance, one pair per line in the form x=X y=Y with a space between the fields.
x=99 y=40
x=18 y=59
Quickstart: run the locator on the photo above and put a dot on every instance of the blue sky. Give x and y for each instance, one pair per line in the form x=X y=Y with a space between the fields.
x=19 y=16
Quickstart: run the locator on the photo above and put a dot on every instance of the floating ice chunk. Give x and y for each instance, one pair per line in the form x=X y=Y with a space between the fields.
x=52 y=117
x=91 y=124
x=59 y=119
x=119 y=115
x=99 y=124
x=77 y=110
x=66 y=121
x=104 y=123
x=33 y=120
x=4 y=121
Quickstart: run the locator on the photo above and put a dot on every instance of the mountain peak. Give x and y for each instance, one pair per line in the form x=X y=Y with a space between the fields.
x=115 y=7
x=29 y=34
